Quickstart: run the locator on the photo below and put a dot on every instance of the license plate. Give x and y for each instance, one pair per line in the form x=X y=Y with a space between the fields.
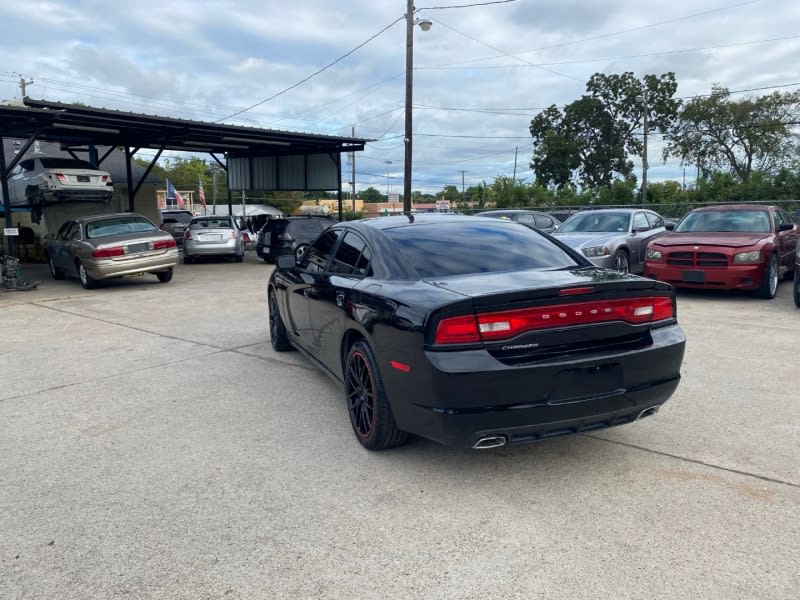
x=134 y=248
x=694 y=276
x=573 y=385
x=84 y=178
x=212 y=237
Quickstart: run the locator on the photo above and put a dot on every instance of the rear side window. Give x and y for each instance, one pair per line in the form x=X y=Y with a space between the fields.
x=462 y=248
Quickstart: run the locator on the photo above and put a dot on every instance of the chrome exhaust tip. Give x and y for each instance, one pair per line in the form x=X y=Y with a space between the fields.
x=648 y=412
x=491 y=441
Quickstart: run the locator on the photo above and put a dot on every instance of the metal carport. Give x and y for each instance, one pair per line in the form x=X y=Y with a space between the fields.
x=272 y=160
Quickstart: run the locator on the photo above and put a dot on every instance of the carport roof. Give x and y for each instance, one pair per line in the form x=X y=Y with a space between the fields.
x=72 y=124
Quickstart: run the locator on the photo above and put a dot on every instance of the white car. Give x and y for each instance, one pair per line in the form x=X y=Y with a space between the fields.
x=42 y=180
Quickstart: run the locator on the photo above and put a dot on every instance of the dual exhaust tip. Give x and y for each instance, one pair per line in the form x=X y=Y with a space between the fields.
x=498 y=441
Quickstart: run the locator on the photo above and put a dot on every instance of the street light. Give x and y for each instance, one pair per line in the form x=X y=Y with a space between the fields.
x=388 y=187
x=642 y=99
x=425 y=25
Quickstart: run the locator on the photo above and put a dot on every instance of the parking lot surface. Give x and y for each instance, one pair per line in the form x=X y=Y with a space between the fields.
x=152 y=445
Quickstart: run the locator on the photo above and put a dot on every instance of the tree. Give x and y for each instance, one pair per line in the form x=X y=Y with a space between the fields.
x=371 y=195
x=594 y=135
x=736 y=136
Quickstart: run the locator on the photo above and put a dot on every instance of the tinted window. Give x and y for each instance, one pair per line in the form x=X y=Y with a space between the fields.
x=319 y=253
x=526 y=219
x=442 y=249
x=544 y=222
x=352 y=257
x=177 y=217
x=66 y=163
x=307 y=228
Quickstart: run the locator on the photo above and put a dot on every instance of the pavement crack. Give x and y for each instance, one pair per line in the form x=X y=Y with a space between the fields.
x=694 y=461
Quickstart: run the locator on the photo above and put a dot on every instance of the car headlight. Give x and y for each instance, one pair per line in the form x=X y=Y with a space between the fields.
x=652 y=254
x=754 y=256
x=596 y=251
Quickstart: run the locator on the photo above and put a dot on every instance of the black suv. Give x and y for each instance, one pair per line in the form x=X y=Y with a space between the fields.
x=289 y=235
x=175 y=223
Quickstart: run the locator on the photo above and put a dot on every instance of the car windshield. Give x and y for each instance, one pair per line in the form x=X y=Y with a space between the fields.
x=750 y=221
x=118 y=226
x=66 y=163
x=462 y=248
x=595 y=222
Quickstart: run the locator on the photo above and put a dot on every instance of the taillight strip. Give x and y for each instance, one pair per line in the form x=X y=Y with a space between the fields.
x=504 y=325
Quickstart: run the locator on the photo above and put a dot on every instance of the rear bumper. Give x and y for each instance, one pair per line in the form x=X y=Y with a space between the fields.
x=533 y=402
x=739 y=277
x=108 y=267
x=193 y=248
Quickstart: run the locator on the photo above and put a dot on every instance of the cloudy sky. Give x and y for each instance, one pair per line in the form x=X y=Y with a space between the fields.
x=481 y=73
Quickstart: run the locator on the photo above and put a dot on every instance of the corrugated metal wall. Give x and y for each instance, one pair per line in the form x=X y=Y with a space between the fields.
x=289 y=173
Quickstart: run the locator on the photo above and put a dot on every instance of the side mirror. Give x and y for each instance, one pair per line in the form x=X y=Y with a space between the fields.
x=287 y=261
x=786 y=226
x=641 y=229
x=669 y=226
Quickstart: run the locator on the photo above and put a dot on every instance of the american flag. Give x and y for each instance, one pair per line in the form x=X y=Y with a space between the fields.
x=172 y=194
x=201 y=194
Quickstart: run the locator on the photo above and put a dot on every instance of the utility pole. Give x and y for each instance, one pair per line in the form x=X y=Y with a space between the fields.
x=22 y=84
x=643 y=100
x=353 y=173
x=514 y=179
x=463 y=192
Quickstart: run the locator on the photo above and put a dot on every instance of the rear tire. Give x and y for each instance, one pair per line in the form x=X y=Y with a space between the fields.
x=277 y=330
x=164 y=276
x=797 y=293
x=370 y=413
x=55 y=272
x=769 y=285
x=86 y=280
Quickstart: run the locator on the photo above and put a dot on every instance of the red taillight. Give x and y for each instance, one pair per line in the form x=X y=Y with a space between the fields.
x=62 y=178
x=187 y=235
x=164 y=244
x=508 y=324
x=245 y=237
x=108 y=252
x=104 y=179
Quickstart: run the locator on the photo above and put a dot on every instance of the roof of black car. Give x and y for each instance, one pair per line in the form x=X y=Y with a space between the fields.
x=422 y=218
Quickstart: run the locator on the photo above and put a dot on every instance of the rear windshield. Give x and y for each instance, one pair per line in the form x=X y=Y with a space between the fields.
x=66 y=163
x=596 y=222
x=177 y=217
x=443 y=249
x=223 y=222
x=308 y=228
x=118 y=226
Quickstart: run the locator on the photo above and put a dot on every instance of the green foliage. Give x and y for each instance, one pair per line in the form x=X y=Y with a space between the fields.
x=592 y=137
x=371 y=195
x=349 y=215
x=719 y=133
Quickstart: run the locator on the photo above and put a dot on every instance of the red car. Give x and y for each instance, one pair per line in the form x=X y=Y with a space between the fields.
x=727 y=246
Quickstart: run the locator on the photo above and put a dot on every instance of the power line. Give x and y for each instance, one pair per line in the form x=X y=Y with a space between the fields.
x=325 y=68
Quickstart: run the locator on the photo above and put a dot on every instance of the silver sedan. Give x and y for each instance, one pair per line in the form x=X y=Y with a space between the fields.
x=612 y=238
x=213 y=235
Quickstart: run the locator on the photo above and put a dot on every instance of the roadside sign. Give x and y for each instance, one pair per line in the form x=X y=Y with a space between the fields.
x=10 y=231
x=394 y=197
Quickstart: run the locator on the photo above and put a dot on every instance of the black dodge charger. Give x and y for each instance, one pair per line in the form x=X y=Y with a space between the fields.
x=473 y=331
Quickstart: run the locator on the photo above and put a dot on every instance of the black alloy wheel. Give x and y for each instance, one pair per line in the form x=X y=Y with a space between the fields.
x=370 y=414
x=277 y=330
x=797 y=292
x=300 y=251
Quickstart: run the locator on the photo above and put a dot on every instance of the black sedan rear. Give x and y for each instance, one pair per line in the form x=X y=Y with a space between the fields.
x=432 y=331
